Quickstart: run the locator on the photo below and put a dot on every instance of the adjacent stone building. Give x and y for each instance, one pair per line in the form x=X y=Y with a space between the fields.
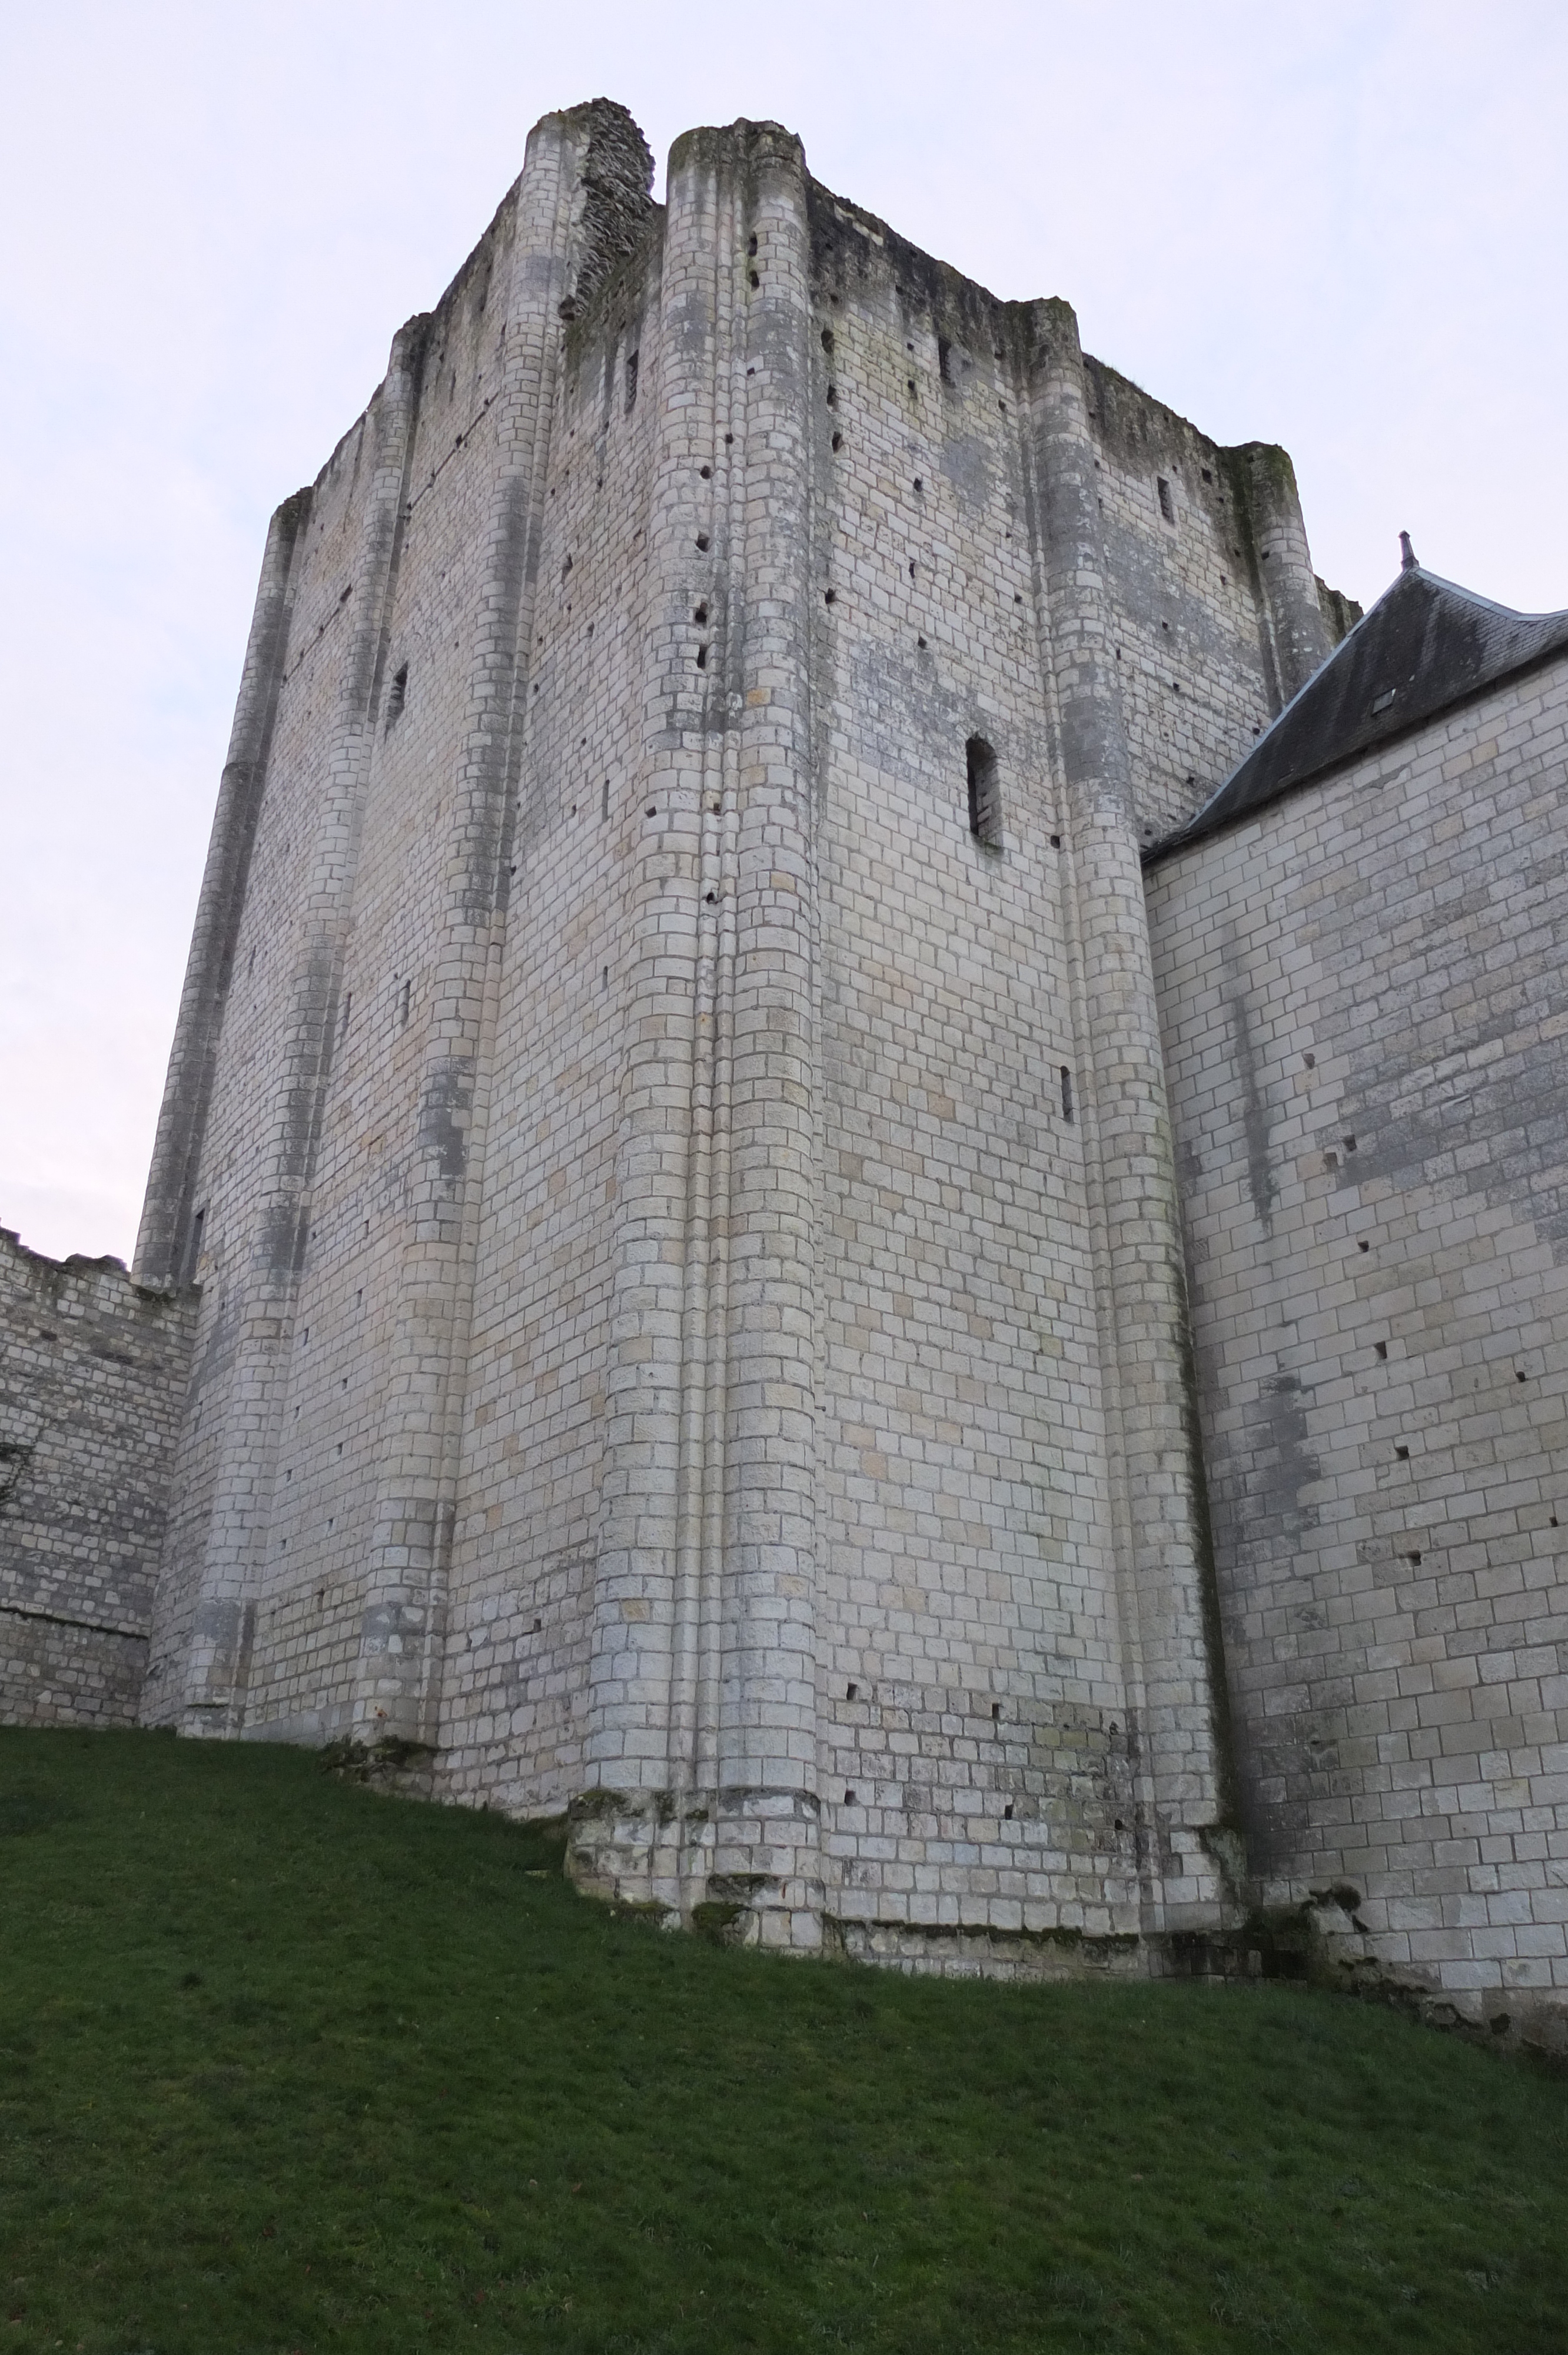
x=672 y=1142
x=1359 y=949
x=92 y=1373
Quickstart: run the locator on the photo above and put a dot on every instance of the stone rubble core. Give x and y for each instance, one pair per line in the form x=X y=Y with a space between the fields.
x=790 y=1253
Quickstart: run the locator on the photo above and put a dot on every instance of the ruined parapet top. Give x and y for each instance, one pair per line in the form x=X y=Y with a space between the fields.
x=617 y=178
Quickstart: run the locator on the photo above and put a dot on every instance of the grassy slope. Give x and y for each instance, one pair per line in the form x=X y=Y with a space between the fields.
x=286 y=2065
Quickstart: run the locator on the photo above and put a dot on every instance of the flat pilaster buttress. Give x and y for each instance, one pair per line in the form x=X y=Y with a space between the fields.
x=1298 y=635
x=560 y=235
x=647 y=1597
x=702 y=1693
x=164 y=1253
x=1159 y=1520
x=767 y=1736
x=264 y=1283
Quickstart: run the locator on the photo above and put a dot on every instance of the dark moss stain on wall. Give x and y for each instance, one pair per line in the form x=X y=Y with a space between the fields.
x=1261 y=1184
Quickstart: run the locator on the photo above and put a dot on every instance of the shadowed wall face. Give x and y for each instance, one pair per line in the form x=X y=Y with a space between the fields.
x=314 y=1503
x=1191 y=640
x=1364 y=998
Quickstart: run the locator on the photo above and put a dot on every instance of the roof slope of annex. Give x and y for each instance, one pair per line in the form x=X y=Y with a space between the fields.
x=1425 y=645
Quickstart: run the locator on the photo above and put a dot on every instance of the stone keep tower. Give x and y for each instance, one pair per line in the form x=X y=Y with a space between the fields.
x=667 y=1113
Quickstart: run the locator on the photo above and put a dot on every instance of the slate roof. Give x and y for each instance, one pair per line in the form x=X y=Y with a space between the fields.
x=1427 y=643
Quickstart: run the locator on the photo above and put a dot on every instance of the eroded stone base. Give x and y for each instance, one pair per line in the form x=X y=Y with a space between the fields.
x=736 y=1864
x=738 y=1869
x=974 y=1951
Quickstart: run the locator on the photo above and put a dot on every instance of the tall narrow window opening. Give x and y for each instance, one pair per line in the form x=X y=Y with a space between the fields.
x=1167 y=504
x=985 y=792
x=405 y=997
x=397 y=695
x=193 y=1249
x=631 y=364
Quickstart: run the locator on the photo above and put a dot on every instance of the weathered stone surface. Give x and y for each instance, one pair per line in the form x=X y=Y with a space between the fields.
x=671 y=1122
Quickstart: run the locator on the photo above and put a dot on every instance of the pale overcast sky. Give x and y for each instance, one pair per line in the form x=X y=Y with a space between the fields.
x=1337 y=227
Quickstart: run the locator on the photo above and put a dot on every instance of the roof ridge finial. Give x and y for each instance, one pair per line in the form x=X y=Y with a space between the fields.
x=1408 y=560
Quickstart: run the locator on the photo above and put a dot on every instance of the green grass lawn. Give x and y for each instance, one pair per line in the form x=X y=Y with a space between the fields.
x=287 y=2066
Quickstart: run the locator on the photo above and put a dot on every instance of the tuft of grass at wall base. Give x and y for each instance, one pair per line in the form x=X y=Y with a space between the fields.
x=286 y=2065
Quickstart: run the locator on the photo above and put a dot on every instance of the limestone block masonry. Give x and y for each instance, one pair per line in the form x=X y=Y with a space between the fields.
x=667 y=1117
x=668 y=1169
x=92 y=1375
